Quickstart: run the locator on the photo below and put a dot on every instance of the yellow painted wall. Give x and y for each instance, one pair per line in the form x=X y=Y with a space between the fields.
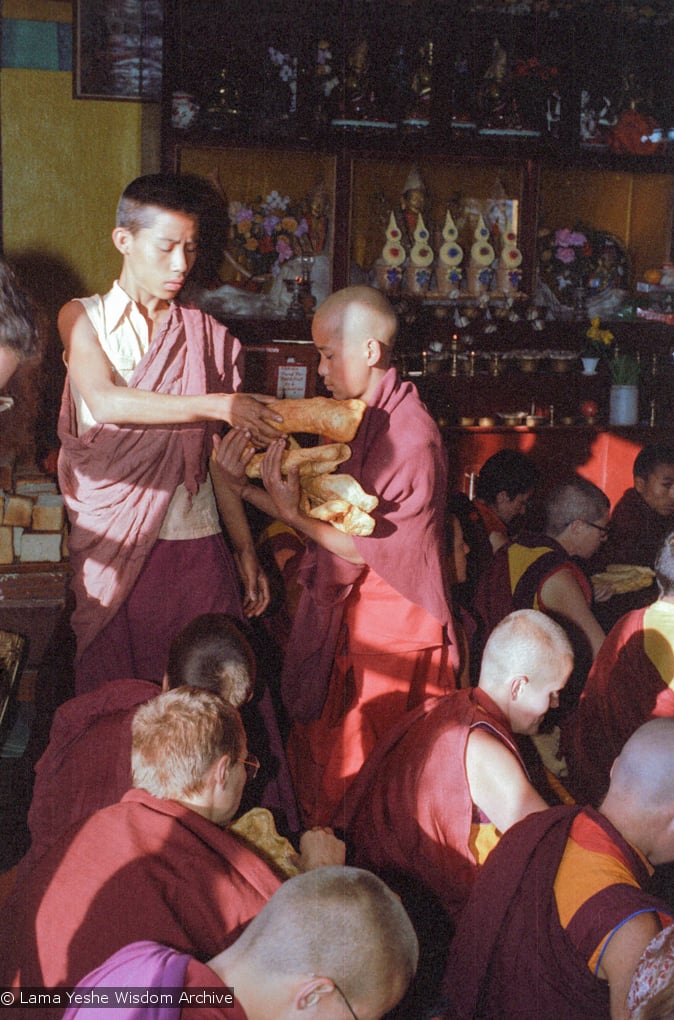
x=65 y=163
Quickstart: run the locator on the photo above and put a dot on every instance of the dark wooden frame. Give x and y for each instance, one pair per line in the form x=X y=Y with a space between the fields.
x=117 y=48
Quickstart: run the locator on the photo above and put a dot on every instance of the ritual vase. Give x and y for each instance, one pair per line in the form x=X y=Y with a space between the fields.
x=624 y=405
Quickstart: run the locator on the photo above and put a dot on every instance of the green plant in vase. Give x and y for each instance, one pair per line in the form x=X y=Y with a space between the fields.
x=624 y=370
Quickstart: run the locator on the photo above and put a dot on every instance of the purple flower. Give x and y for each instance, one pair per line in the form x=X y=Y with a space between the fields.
x=244 y=214
x=565 y=255
x=270 y=223
x=284 y=250
x=569 y=238
x=302 y=228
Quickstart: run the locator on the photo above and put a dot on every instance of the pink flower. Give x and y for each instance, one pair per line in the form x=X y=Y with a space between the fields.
x=566 y=255
x=569 y=238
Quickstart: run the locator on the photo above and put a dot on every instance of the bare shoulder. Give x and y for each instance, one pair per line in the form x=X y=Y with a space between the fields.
x=74 y=325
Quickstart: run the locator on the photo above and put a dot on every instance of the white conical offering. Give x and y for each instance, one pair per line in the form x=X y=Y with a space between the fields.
x=482 y=252
x=421 y=253
x=393 y=253
x=508 y=274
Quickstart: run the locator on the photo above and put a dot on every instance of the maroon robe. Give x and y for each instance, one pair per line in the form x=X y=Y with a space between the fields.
x=118 y=480
x=398 y=456
x=510 y=956
x=371 y=641
x=409 y=812
x=87 y=763
x=631 y=681
x=141 y=869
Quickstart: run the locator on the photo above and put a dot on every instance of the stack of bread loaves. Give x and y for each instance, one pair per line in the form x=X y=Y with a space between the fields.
x=335 y=498
x=32 y=517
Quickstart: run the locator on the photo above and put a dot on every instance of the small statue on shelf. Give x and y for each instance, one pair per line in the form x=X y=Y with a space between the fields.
x=419 y=110
x=413 y=201
x=357 y=101
x=316 y=208
x=496 y=103
x=223 y=110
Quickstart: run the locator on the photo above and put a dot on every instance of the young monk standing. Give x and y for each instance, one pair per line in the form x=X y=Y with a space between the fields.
x=372 y=636
x=147 y=382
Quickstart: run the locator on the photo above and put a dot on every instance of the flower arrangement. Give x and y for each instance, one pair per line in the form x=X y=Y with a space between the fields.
x=579 y=258
x=597 y=341
x=265 y=233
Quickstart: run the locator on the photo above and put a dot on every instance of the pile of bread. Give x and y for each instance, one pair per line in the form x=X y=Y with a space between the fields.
x=326 y=495
x=32 y=516
x=624 y=577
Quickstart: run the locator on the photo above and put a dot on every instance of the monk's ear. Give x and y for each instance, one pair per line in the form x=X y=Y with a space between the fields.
x=640 y=484
x=517 y=686
x=223 y=769
x=311 y=992
x=373 y=351
x=121 y=238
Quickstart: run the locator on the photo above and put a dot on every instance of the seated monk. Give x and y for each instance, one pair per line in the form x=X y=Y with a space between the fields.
x=558 y=917
x=641 y=520
x=631 y=681
x=434 y=796
x=158 y=865
x=537 y=571
x=504 y=486
x=87 y=763
x=283 y=963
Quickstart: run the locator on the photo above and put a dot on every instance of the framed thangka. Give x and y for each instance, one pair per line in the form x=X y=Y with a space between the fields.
x=118 y=49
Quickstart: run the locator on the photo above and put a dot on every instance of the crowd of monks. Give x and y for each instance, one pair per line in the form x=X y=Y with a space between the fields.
x=449 y=703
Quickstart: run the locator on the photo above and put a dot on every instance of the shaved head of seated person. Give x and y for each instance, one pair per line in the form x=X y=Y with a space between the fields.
x=334 y=942
x=435 y=795
x=537 y=571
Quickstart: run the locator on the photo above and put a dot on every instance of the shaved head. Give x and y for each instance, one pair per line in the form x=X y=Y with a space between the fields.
x=644 y=769
x=357 y=313
x=525 y=641
x=640 y=798
x=340 y=922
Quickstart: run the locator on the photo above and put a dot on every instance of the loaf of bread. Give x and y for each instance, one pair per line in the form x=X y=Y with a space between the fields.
x=48 y=512
x=257 y=829
x=323 y=416
x=18 y=511
x=311 y=460
x=6 y=545
x=624 y=577
x=345 y=517
x=322 y=488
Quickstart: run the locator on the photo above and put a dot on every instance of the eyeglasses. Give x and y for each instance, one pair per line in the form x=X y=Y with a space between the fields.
x=252 y=764
x=597 y=527
x=346 y=1001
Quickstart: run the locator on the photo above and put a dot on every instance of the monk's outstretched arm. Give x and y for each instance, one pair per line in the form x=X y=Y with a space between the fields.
x=115 y=404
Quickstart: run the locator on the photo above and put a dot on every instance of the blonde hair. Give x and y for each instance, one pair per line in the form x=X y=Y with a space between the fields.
x=178 y=736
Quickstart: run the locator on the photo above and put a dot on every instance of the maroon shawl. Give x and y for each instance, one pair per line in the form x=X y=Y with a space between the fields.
x=409 y=810
x=141 y=869
x=398 y=456
x=510 y=956
x=87 y=763
x=118 y=480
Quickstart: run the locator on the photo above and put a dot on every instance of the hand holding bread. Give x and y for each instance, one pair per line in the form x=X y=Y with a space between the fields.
x=337 y=499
